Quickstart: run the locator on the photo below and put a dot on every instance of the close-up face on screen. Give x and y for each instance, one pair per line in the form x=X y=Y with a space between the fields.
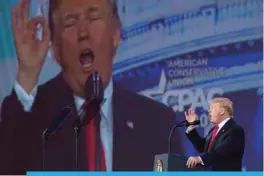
x=85 y=35
x=138 y=85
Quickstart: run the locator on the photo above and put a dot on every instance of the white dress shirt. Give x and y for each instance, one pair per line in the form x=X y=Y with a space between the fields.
x=220 y=125
x=106 y=124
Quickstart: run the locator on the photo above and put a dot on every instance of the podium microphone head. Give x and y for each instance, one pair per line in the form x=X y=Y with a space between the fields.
x=196 y=122
x=94 y=87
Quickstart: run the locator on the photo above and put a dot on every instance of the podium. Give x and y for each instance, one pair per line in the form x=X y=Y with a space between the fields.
x=174 y=162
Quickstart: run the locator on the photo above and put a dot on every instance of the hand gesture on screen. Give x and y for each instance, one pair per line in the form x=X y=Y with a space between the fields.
x=190 y=115
x=31 y=52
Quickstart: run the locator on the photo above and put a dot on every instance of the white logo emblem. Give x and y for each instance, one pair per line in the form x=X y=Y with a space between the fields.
x=130 y=124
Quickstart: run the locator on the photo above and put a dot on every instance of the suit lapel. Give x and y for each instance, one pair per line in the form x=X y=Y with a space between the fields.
x=64 y=94
x=123 y=134
x=54 y=97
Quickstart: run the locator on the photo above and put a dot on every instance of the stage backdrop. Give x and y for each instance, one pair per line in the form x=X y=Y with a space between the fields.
x=182 y=54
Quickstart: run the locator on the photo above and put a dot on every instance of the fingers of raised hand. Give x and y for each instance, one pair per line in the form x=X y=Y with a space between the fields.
x=21 y=12
x=33 y=26
x=186 y=114
x=17 y=25
x=45 y=28
x=189 y=111
x=193 y=112
x=34 y=22
x=190 y=114
x=24 y=10
x=45 y=31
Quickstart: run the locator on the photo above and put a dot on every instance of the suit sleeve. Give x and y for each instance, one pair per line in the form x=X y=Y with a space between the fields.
x=13 y=131
x=25 y=99
x=197 y=141
x=231 y=144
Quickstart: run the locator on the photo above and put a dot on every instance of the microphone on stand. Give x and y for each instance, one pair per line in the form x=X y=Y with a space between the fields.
x=53 y=128
x=196 y=122
x=98 y=97
x=184 y=123
x=94 y=96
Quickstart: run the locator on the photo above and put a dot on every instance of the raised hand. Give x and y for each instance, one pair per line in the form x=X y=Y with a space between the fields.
x=31 y=52
x=190 y=115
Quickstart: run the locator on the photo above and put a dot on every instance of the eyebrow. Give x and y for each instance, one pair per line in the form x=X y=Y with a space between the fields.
x=89 y=10
x=68 y=16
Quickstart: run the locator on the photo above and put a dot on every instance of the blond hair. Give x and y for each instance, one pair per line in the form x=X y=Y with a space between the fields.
x=225 y=103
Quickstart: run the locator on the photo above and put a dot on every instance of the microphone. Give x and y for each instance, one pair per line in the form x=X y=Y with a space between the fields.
x=94 y=96
x=53 y=128
x=196 y=122
x=97 y=97
x=184 y=123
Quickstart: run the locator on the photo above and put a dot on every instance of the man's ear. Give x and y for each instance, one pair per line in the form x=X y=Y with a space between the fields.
x=222 y=111
x=55 y=51
x=117 y=36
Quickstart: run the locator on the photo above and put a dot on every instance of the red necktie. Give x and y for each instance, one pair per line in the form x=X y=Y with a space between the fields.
x=90 y=143
x=213 y=137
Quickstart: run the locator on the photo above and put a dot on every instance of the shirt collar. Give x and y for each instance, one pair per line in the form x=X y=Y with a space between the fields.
x=106 y=107
x=223 y=123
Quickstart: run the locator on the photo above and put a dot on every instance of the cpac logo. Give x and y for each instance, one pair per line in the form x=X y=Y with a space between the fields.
x=179 y=99
x=197 y=98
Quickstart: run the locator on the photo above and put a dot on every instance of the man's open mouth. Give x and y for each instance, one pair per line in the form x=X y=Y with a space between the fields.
x=86 y=58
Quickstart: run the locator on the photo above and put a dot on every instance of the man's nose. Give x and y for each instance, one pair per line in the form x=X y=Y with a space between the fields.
x=83 y=29
x=83 y=35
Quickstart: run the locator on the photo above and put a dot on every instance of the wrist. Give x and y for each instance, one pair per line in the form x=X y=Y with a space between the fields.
x=27 y=80
x=190 y=128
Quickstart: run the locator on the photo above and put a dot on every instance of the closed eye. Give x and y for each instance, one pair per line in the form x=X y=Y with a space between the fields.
x=70 y=20
x=93 y=13
x=93 y=16
x=69 y=23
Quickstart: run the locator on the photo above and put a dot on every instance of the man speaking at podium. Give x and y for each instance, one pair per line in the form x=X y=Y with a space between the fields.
x=84 y=35
x=224 y=146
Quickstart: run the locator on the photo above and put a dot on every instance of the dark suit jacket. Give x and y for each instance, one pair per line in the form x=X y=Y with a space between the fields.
x=134 y=149
x=228 y=147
